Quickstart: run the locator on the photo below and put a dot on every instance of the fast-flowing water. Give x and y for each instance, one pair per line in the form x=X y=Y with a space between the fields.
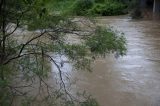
x=132 y=80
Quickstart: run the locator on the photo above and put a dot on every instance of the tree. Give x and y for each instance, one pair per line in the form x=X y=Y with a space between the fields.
x=23 y=57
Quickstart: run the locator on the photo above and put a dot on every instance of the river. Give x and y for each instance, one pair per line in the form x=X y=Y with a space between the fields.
x=131 y=80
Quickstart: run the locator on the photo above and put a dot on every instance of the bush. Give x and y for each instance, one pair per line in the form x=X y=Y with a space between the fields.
x=108 y=9
x=81 y=7
x=96 y=7
x=99 y=1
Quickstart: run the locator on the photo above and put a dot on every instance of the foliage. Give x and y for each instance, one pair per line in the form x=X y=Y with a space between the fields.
x=105 y=41
x=29 y=33
x=108 y=9
x=59 y=6
x=100 y=1
x=92 y=7
x=80 y=7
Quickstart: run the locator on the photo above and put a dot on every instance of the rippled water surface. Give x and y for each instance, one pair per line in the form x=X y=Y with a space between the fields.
x=132 y=80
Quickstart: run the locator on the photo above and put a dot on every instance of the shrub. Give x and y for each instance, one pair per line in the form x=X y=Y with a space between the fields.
x=108 y=9
x=99 y=1
x=80 y=7
x=97 y=7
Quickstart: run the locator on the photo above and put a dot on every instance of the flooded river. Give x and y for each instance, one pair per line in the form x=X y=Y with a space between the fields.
x=132 y=80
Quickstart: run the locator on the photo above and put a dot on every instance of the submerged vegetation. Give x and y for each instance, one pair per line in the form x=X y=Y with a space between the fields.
x=24 y=71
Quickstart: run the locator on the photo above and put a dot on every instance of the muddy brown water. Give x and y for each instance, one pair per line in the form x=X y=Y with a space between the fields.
x=131 y=80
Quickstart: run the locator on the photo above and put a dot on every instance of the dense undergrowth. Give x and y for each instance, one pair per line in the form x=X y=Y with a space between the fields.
x=89 y=7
